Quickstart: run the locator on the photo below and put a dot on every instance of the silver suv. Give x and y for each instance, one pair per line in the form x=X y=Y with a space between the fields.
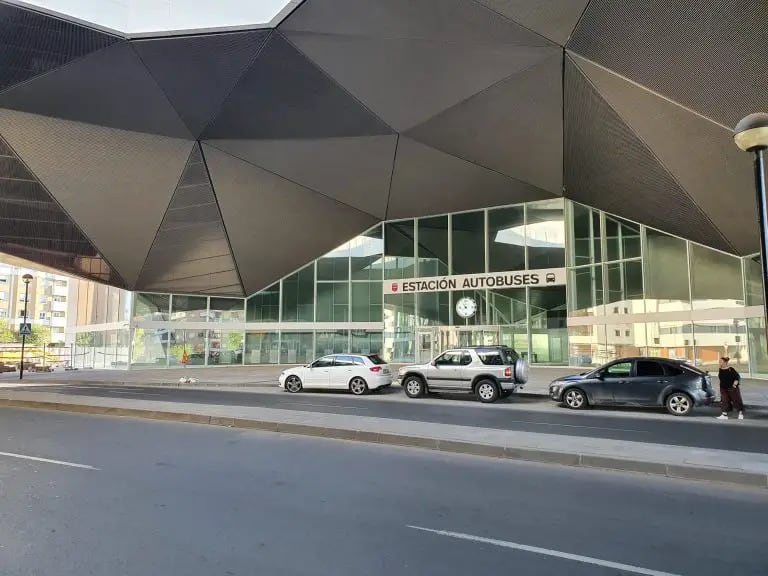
x=490 y=372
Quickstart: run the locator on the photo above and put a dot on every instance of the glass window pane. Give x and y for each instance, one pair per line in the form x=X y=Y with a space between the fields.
x=367 y=301
x=630 y=239
x=299 y=296
x=399 y=261
x=612 y=239
x=716 y=338
x=334 y=265
x=625 y=287
x=433 y=246
x=225 y=348
x=366 y=252
x=332 y=301
x=581 y=235
x=624 y=340
x=548 y=322
x=716 y=280
x=297 y=347
x=545 y=234
x=189 y=308
x=261 y=348
x=367 y=342
x=586 y=291
x=226 y=310
x=758 y=347
x=666 y=273
x=332 y=342
x=264 y=306
x=399 y=311
x=670 y=340
x=468 y=242
x=587 y=345
x=190 y=341
x=434 y=308
x=149 y=347
x=506 y=239
x=754 y=278
x=508 y=308
x=149 y=307
x=399 y=346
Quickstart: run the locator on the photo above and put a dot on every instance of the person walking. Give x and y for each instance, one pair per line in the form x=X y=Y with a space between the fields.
x=730 y=393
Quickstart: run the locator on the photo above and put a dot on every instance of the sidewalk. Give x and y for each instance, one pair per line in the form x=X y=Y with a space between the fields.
x=746 y=469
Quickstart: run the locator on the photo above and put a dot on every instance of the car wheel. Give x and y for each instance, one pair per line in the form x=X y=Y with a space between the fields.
x=487 y=391
x=293 y=384
x=414 y=387
x=575 y=399
x=358 y=386
x=679 y=404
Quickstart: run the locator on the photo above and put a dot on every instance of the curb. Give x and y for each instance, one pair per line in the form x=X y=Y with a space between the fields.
x=685 y=471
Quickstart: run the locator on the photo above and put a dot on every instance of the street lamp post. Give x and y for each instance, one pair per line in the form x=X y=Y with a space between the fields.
x=751 y=135
x=27 y=278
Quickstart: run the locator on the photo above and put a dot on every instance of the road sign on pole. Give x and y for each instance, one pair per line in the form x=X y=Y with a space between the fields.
x=25 y=329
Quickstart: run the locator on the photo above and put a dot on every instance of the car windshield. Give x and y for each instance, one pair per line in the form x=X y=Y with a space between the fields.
x=376 y=359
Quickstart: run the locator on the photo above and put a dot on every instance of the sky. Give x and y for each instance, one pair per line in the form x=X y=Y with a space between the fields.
x=136 y=16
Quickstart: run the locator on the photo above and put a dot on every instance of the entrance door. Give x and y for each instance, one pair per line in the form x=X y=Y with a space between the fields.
x=425 y=346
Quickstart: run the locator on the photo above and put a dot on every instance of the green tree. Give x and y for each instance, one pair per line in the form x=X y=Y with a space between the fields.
x=7 y=334
x=84 y=339
x=41 y=336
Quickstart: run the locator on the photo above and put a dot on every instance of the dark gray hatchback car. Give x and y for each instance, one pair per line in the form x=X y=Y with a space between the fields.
x=645 y=382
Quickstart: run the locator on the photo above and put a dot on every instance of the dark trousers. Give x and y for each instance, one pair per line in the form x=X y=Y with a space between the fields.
x=730 y=398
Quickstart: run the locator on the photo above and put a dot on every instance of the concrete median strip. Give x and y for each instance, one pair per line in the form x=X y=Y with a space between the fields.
x=529 y=454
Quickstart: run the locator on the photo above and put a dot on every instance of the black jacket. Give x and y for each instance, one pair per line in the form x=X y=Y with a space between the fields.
x=728 y=376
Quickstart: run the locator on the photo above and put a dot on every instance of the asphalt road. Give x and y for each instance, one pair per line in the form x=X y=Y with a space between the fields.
x=164 y=498
x=520 y=413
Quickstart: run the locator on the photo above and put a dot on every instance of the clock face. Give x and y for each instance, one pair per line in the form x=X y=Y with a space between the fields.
x=466 y=307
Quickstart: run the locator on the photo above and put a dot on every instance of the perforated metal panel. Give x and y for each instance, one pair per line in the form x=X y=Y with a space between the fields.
x=554 y=19
x=607 y=166
x=355 y=171
x=697 y=152
x=191 y=250
x=110 y=87
x=514 y=127
x=454 y=21
x=114 y=183
x=709 y=55
x=32 y=43
x=406 y=81
x=34 y=226
x=284 y=95
x=427 y=181
x=198 y=72
x=274 y=225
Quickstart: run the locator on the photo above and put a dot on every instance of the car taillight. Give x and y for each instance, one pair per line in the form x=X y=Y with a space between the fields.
x=508 y=372
x=375 y=369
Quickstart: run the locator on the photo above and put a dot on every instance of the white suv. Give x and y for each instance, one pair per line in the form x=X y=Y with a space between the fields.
x=490 y=372
x=357 y=373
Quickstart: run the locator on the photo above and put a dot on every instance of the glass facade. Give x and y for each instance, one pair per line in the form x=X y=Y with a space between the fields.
x=629 y=290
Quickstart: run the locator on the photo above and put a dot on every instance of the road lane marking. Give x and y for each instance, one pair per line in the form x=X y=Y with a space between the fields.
x=547 y=552
x=323 y=405
x=47 y=460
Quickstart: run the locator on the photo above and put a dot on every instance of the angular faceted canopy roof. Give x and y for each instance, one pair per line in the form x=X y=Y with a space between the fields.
x=217 y=163
x=140 y=17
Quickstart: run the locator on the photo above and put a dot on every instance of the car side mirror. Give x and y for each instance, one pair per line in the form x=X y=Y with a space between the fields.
x=600 y=376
